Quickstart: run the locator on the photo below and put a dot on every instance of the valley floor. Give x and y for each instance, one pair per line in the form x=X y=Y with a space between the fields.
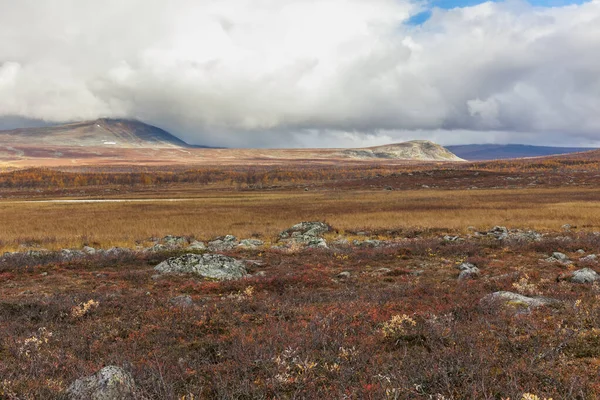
x=380 y=313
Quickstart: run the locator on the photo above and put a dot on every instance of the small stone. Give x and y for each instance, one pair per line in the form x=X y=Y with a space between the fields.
x=343 y=275
x=110 y=383
x=183 y=301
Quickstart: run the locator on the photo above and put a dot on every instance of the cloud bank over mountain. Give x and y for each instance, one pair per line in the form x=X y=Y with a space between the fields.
x=273 y=73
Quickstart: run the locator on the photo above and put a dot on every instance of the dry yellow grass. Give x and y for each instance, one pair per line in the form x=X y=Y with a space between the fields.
x=56 y=225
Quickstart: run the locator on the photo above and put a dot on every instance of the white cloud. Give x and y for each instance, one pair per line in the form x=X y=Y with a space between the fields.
x=306 y=72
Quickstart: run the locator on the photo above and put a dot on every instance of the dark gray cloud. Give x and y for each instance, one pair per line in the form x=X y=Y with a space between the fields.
x=305 y=73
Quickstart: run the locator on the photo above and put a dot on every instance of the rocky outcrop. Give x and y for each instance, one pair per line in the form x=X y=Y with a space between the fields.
x=306 y=233
x=503 y=233
x=213 y=266
x=110 y=383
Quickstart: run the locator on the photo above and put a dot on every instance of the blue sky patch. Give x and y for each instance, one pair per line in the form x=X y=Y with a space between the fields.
x=422 y=17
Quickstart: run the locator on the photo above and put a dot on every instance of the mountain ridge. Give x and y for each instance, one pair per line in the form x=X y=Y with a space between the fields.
x=122 y=133
x=486 y=152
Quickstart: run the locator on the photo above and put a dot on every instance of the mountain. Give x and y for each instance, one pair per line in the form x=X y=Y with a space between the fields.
x=114 y=142
x=479 y=152
x=419 y=150
x=99 y=133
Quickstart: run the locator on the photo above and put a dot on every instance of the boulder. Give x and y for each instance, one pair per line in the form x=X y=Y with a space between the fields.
x=196 y=245
x=343 y=275
x=223 y=244
x=517 y=300
x=89 y=250
x=498 y=232
x=183 y=301
x=110 y=383
x=467 y=271
x=306 y=233
x=558 y=257
x=174 y=241
x=585 y=275
x=305 y=230
x=592 y=258
x=214 y=266
x=370 y=243
x=251 y=243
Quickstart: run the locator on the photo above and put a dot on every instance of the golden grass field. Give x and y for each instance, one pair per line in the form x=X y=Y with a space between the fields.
x=243 y=214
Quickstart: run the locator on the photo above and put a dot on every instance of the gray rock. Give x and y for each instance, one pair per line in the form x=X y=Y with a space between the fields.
x=223 y=244
x=558 y=257
x=157 y=248
x=316 y=243
x=116 y=251
x=343 y=275
x=566 y=227
x=214 y=266
x=251 y=243
x=585 y=275
x=174 y=241
x=580 y=251
x=517 y=300
x=592 y=258
x=465 y=266
x=449 y=238
x=370 y=243
x=89 y=250
x=110 y=383
x=380 y=271
x=498 y=232
x=196 y=245
x=306 y=234
x=467 y=271
x=68 y=254
x=182 y=301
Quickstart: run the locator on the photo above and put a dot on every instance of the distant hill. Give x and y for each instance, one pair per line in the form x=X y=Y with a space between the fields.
x=418 y=150
x=99 y=133
x=480 y=152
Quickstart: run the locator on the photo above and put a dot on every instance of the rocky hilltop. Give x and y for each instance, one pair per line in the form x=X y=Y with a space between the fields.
x=98 y=133
x=421 y=150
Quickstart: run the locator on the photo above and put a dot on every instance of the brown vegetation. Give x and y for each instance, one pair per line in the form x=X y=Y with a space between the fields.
x=399 y=326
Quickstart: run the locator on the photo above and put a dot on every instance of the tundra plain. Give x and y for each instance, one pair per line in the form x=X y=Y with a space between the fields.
x=402 y=296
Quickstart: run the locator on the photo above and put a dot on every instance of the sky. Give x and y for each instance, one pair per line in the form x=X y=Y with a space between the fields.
x=309 y=73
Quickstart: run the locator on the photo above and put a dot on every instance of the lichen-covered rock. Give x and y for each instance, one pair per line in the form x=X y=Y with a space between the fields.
x=467 y=271
x=110 y=383
x=592 y=258
x=174 y=241
x=306 y=233
x=308 y=229
x=89 y=250
x=251 y=243
x=223 y=244
x=517 y=301
x=585 y=275
x=196 y=245
x=214 y=266
x=183 y=301
x=558 y=257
